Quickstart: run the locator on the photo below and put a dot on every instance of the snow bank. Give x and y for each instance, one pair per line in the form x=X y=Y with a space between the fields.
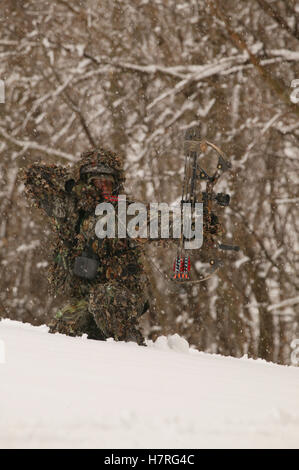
x=57 y=391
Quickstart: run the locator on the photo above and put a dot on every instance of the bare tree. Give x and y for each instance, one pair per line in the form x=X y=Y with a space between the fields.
x=132 y=75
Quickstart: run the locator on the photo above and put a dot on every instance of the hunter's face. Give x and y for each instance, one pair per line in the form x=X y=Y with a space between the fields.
x=104 y=183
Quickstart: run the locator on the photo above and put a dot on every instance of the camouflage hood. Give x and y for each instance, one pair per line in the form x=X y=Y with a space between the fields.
x=88 y=196
x=100 y=157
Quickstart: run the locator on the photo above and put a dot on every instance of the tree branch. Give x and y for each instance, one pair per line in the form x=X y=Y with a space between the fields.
x=273 y=82
x=26 y=145
x=271 y=11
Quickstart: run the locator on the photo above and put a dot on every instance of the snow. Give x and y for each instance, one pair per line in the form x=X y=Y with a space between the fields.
x=284 y=303
x=57 y=391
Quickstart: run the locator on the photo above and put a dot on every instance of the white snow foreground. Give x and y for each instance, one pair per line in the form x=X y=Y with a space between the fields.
x=57 y=391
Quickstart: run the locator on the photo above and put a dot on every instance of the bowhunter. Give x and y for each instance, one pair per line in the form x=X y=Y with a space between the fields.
x=103 y=279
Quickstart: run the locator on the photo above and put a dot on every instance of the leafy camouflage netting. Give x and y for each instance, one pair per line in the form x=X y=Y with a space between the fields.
x=113 y=300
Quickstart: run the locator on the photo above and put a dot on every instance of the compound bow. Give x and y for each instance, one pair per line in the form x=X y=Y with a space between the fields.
x=195 y=148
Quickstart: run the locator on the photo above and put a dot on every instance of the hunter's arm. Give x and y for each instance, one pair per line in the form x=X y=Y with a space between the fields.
x=46 y=185
x=154 y=232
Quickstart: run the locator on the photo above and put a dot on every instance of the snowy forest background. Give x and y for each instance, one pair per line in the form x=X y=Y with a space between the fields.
x=132 y=75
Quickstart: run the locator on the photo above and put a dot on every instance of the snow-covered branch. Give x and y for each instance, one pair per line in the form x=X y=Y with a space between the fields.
x=284 y=303
x=29 y=145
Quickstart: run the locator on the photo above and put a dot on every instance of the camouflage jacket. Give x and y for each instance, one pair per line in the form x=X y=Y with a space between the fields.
x=71 y=208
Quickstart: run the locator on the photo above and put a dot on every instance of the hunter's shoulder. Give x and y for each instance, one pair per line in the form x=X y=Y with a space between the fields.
x=44 y=174
x=41 y=167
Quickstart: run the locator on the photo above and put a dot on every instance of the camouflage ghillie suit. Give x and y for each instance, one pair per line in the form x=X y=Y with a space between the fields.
x=110 y=304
